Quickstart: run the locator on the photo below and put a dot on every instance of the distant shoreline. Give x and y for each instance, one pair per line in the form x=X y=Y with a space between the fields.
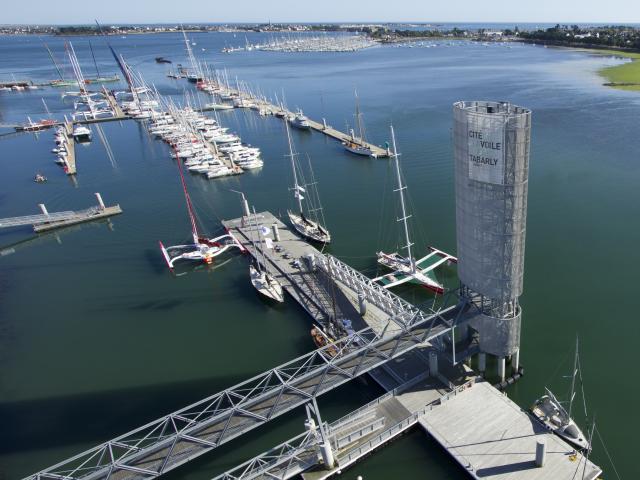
x=621 y=77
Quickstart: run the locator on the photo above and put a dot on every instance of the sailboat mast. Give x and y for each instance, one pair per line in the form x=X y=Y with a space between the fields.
x=255 y=225
x=573 y=378
x=94 y=59
x=400 y=190
x=54 y=61
x=192 y=217
x=46 y=108
x=359 y=118
x=296 y=187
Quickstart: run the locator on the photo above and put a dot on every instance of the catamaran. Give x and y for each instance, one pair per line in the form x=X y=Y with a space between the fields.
x=261 y=279
x=407 y=268
x=203 y=249
x=81 y=134
x=356 y=144
x=549 y=411
x=305 y=226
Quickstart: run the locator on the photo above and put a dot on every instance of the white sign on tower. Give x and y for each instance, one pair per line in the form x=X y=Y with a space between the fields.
x=485 y=137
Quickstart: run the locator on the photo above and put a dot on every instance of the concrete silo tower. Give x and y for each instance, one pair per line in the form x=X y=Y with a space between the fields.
x=491 y=152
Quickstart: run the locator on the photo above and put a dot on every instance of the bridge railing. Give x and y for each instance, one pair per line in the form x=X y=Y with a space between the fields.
x=174 y=439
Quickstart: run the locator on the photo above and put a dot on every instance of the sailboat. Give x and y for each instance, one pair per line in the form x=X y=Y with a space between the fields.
x=549 y=411
x=202 y=250
x=356 y=144
x=305 y=226
x=407 y=268
x=261 y=279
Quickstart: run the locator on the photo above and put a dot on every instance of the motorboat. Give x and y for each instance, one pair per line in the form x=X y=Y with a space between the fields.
x=299 y=121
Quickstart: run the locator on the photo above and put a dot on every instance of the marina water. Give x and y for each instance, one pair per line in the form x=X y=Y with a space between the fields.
x=97 y=337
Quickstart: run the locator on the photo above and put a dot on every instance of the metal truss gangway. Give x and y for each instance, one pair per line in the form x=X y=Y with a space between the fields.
x=170 y=441
x=36 y=219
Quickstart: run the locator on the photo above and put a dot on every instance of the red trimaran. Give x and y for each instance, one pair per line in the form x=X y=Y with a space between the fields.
x=202 y=249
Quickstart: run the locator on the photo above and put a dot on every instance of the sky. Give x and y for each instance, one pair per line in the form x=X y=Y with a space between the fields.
x=214 y=11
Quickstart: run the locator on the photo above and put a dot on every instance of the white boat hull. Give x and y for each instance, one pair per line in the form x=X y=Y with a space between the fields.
x=309 y=229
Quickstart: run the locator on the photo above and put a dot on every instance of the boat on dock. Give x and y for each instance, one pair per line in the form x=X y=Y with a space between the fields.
x=261 y=279
x=300 y=121
x=407 y=268
x=38 y=126
x=551 y=413
x=218 y=106
x=310 y=228
x=358 y=144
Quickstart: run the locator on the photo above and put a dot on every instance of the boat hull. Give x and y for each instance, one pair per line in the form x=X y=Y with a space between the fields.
x=309 y=229
x=357 y=149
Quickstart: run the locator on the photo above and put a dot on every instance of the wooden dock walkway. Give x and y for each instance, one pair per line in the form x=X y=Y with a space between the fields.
x=113 y=103
x=71 y=149
x=272 y=109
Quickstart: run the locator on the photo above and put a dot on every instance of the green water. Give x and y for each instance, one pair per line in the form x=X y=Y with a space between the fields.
x=96 y=337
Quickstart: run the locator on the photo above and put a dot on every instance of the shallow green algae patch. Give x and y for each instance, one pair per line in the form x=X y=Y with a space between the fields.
x=625 y=76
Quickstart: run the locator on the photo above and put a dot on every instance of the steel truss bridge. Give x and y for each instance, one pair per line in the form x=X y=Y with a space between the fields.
x=168 y=442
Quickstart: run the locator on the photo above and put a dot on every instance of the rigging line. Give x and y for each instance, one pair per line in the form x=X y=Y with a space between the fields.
x=187 y=197
x=558 y=366
x=584 y=398
x=615 y=470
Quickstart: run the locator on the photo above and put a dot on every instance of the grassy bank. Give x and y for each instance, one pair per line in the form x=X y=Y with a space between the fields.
x=625 y=76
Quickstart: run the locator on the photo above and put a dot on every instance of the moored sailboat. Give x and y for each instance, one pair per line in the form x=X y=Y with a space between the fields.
x=261 y=278
x=551 y=412
x=304 y=225
x=357 y=144
x=203 y=249
x=407 y=268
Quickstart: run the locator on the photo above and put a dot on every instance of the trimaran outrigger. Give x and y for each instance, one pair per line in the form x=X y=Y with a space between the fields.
x=406 y=268
x=304 y=225
x=203 y=249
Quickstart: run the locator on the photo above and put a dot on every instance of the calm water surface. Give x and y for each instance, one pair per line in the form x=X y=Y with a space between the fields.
x=96 y=337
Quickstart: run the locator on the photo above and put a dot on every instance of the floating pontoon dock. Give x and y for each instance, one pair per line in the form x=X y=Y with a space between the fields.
x=50 y=221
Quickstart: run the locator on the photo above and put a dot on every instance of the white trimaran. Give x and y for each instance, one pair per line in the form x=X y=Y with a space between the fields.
x=552 y=414
x=261 y=279
x=202 y=249
x=311 y=229
x=408 y=269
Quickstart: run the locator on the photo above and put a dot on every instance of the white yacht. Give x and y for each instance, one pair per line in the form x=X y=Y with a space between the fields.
x=299 y=121
x=81 y=133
